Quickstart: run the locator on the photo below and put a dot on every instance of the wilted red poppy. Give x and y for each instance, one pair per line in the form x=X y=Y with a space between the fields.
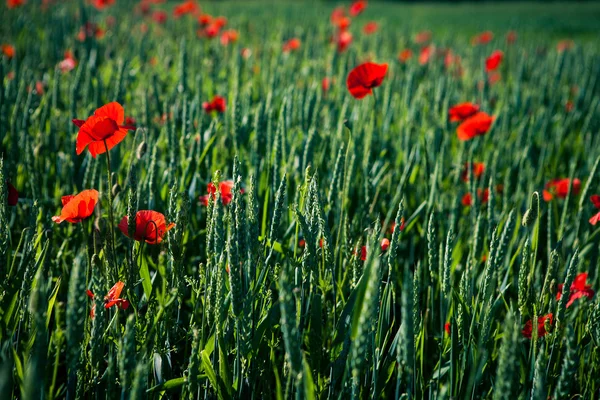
x=13 y=195
x=462 y=111
x=8 y=50
x=68 y=63
x=477 y=169
x=385 y=244
x=578 y=289
x=405 y=55
x=159 y=16
x=566 y=44
x=291 y=45
x=482 y=195
x=205 y=19
x=343 y=40
x=425 y=54
x=511 y=37
x=78 y=207
x=477 y=125
x=362 y=79
x=187 y=7
x=150 y=226
x=370 y=28
x=225 y=188
x=494 y=60
x=217 y=104
x=560 y=188
x=325 y=84
x=422 y=37
x=14 y=3
x=342 y=23
x=229 y=36
x=544 y=325
x=103 y=130
x=447 y=328
x=482 y=38
x=357 y=7
x=102 y=4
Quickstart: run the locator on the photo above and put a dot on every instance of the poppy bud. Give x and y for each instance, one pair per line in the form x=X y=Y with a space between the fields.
x=385 y=244
x=116 y=189
x=141 y=150
x=529 y=217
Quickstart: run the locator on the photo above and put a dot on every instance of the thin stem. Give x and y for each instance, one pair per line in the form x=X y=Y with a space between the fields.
x=110 y=211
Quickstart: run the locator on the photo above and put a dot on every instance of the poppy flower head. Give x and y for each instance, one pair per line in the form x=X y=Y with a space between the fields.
x=102 y=4
x=357 y=7
x=159 y=16
x=229 y=36
x=343 y=23
x=68 y=63
x=425 y=54
x=477 y=169
x=103 y=130
x=78 y=207
x=595 y=199
x=482 y=38
x=8 y=50
x=494 y=60
x=15 y=3
x=291 y=45
x=210 y=31
x=370 y=28
x=362 y=79
x=560 y=188
x=13 y=195
x=205 y=19
x=336 y=14
x=578 y=290
x=462 y=111
x=225 y=188
x=476 y=125
x=217 y=104
x=326 y=84
x=423 y=37
x=150 y=226
x=482 y=194
x=405 y=55
x=385 y=244
x=543 y=328
x=220 y=22
x=187 y=7
x=447 y=328
x=343 y=41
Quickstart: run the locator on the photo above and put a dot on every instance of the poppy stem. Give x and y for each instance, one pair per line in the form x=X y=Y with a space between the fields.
x=110 y=211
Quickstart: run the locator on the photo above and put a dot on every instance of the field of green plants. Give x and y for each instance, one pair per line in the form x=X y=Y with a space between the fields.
x=307 y=200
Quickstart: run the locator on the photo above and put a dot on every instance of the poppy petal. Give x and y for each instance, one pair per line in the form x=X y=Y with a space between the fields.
x=113 y=111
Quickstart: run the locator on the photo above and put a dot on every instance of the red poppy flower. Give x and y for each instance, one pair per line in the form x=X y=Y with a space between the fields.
x=102 y=130
x=210 y=31
x=482 y=195
x=385 y=244
x=566 y=44
x=560 y=188
x=402 y=225
x=111 y=299
x=447 y=328
x=246 y=52
x=542 y=327
x=405 y=55
x=569 y=106
x=291 y=45
x=363 y=253
x=422 y=37
x=150 y=226
x=357 y=7
x=159 y=16
x=8 y=50
x=370 y=28
x=578 y=289
x=362 y=79
x=482 y=38
x=78 y=207
x=225 y=188
x=89 y=30
x=187 y=7
x=336 y=14
x=68 y=63
x=477 y=125
x=205 y=19
x=220 y=22
x=230 y=36
x=342 y=23
x=511 y=37
x=462 y=111
x=477 y=169
x=425 y=54
x=217 y=104
x=325 y=84
x=14 y=3
x=595 y=199
x=39 y=87
x=494 y=60
x=13 y=195
x=452 y=60
x=102 y=4
x=343 y=41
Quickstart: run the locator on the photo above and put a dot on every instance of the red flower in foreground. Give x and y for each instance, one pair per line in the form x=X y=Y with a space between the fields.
x=13 y=195
x=477 y=169
x=291 y=45
x=405 y=55
x=477 y=125
x=225 y=188
x=187 y=7
x=595 y=199
x=578 y=289
x=560 y=188
x=482 y=38
x=102 y=4
x=111 y=298
x=370 y=28
x=462 y=111
x=362 y=79
x=482 y=195
x=150 y=226
x=543 y=328
x=78 y=207
x=8 y=50
x=357 y=7
x=511 y=37
x=447 y=328
x=343 y=41
x=217 y=104
x=493 y=61
x=103 y=130
x=14 y=3
x=422 y=37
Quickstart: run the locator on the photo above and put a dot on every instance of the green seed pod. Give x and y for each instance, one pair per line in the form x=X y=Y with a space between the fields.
x=141 y=150
x=116 y=189
x=533 y=211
